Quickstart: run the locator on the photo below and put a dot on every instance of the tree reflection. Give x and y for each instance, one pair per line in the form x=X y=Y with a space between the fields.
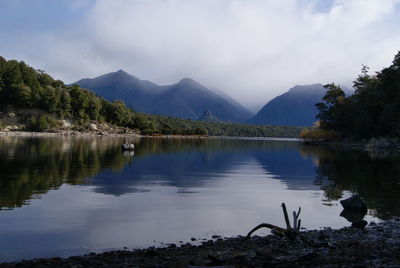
x=32 y=166
x=375 y=176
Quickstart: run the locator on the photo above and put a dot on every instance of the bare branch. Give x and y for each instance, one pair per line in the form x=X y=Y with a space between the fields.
x=285 y=214
x=289 y=232
x=276 y=232
x=266 y=225
x=298 y=213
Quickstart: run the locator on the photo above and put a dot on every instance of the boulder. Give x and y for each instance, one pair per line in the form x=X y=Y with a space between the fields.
x=353 y=215
x=66 y=124
x=93 y=127
x=354 y=203
x=128 y=146
x=359 y=224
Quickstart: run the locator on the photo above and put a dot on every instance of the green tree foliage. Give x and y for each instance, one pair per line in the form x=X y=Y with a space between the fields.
x=43 y=123
x=372 y=111
x=170 y=125
x=23 y=87
x=117 y=113
x=65 y=104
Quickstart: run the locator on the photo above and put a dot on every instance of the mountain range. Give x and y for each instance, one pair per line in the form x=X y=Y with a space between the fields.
x=186 y=99
x=189 y=99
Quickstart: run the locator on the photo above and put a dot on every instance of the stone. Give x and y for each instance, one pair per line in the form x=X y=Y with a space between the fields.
x=66 y=124
x=359 y=224
x=353 y=215
x=354 y=203
x=128 y=146
x=264 y=252
x=93 y=127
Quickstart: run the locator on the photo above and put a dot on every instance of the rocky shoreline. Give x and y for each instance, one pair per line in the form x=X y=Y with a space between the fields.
x=377 y=245
x=93 y=133
x=63 y=133
x=373 y=144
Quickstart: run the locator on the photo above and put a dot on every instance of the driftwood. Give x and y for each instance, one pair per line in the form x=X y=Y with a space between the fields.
x=290 y=232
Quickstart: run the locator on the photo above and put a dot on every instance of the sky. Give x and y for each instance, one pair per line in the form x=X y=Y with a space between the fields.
x=253 y=50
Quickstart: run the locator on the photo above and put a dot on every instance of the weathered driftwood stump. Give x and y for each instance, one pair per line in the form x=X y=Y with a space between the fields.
x=290 y=232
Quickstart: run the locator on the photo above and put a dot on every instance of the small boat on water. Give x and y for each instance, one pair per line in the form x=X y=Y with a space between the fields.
x=127 y=146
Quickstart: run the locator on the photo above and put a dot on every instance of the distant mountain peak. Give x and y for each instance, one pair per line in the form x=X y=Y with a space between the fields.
x=122 y=75
x=296 y=107
x=307 y=89
x=189 y=82
x=121 y=71
x=186 y=99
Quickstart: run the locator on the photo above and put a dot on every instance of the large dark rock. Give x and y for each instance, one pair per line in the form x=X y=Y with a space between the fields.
x=353 y=215
x=359 y=224
x=354 y=203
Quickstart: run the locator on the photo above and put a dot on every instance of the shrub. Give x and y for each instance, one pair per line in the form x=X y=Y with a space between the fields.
x=42 y=123
x=200 y=131
x=317 y=134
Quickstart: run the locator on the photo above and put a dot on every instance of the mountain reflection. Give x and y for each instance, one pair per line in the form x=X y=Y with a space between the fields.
x=189 y=164
x=30 y=167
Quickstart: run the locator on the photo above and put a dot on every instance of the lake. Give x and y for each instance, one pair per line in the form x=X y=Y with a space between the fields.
x=66 y=196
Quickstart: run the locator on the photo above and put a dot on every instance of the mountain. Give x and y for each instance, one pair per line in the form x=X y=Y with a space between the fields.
x=208 y=117
x=186 y=99
x=293 y=108
x=122 y=86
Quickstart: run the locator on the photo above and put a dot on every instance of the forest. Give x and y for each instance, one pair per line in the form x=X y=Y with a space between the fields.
x=371 y=112
x=39 y=103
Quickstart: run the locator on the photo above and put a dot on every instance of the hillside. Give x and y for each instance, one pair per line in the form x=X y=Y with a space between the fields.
x=186 y=99
x=293 y=108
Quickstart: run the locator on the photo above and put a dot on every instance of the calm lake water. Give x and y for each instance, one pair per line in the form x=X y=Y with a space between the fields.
x=70 y=196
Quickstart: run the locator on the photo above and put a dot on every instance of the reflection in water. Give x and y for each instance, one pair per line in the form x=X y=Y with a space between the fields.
x=374 y=176
x=104 y=198
x=33 y=166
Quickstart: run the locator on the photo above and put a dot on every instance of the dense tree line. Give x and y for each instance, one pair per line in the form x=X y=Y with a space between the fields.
x=372 y=111
x=41 y=101
x=170 y=125
x=24 y=88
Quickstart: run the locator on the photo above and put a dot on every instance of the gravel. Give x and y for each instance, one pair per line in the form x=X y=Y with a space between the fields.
x=377 y=245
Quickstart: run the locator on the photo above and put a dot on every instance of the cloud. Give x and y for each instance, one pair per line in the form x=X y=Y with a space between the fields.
x=252 y=50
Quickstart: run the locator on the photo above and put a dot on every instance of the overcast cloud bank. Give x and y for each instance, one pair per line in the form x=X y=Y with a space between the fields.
x=252 y=50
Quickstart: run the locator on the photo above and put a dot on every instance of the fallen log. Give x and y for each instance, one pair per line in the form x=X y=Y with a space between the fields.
x=290 y=232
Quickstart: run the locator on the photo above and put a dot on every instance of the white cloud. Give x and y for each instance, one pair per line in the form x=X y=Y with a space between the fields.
x=253 y=50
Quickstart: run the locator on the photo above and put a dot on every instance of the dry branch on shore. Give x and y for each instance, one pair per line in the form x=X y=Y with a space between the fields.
x=290 y=232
